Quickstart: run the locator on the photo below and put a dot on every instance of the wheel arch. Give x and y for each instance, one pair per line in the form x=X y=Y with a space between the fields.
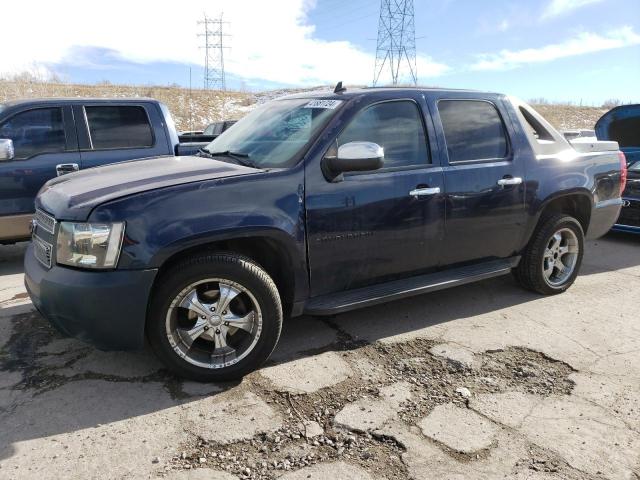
x=577 y=203
x=274 y=251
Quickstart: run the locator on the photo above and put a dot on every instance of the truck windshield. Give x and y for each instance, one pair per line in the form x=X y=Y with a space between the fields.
x=273 y=135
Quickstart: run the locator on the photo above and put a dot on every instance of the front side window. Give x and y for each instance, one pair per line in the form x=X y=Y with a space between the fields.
x=396 y=127
x=473 y=130
x=119 y=127
x=35 y=131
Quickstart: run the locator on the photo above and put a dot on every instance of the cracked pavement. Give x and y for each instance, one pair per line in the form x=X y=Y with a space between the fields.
x=481 y=381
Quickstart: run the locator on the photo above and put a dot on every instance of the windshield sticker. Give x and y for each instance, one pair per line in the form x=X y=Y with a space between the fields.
x=330 y=104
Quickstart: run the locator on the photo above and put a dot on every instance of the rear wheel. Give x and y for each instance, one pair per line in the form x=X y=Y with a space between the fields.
x=551 y=262
x=214 y=317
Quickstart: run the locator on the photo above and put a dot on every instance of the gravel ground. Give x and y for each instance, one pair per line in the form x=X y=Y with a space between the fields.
x=481 y=381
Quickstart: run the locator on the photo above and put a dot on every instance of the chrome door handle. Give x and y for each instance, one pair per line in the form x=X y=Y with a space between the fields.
x=420 y=192
x=510 y=181
x=64 y=168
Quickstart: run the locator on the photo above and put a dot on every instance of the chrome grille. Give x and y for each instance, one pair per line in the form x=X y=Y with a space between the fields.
x=42 y=250
x=46 y=221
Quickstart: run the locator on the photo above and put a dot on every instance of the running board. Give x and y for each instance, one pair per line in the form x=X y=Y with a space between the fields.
x=333 y=303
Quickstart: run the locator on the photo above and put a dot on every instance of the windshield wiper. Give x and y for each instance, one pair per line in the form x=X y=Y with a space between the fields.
x=239 y=157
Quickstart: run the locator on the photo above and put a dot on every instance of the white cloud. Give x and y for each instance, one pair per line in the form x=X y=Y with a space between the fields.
x=581 y=44
x=556 y=8
x=271 y=41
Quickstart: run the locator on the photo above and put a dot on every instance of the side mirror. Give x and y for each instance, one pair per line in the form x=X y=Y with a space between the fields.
x=354 y=157
x=6 y=149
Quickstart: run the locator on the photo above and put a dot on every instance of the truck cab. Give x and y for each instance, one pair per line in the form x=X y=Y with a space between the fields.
x=45 y=138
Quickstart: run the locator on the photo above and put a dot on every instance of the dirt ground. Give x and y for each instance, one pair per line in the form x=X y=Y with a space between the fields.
x=481 y=381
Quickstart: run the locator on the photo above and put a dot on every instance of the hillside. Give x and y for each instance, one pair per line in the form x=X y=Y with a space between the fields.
x=565 y=117
x=195 y=109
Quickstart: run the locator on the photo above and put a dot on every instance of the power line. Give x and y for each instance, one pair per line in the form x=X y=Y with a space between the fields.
x=396 y=45
x=213 y=52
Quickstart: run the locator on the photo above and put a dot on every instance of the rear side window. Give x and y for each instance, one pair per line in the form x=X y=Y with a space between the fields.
x=396 y=127
x=473 y=130
x=119 y=127
x=35 y=131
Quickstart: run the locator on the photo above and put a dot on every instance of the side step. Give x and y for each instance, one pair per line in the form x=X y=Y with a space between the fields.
x=333 y=303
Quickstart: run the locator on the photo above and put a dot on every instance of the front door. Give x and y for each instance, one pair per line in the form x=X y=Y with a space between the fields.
x=369 y=227
x=484 y=182
x=43 y=138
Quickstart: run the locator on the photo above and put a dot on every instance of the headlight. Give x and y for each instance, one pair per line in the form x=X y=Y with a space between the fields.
x=89 y=245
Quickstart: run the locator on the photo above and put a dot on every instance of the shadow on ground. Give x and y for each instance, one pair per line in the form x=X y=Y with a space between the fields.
x=51 y=385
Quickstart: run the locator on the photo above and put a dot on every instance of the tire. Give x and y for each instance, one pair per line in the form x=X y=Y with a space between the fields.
x=195 y=286
x=530 y=272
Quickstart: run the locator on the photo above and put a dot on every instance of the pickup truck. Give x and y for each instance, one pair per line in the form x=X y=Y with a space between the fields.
x=210 y=133
x=315 y=204
x=622 y=124
x=42 y=138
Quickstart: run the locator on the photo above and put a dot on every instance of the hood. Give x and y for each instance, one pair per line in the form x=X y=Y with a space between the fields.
x=73 y=196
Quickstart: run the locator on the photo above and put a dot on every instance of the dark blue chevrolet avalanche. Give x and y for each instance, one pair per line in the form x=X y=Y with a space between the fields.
x=315 y=204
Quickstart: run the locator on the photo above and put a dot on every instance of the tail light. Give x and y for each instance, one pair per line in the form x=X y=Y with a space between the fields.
x=623 y=171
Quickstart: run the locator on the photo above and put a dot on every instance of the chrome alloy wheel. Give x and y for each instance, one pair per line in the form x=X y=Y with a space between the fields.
x=214 y=323
x=560 y=257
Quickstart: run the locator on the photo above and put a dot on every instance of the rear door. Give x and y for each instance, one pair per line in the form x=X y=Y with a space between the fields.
x=111 y=132
x=43 y=137
x=484 y=179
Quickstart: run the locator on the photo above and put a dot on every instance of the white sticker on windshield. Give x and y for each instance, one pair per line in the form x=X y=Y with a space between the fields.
x=330 y=104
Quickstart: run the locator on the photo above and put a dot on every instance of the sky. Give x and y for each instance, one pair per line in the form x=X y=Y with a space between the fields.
x=581 y=51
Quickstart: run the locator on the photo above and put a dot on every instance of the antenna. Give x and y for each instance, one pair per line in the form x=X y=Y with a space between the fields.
x=213 y=52
x=396 y=40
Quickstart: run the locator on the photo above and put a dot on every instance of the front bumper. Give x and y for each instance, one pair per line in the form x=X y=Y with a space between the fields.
x=105 y=308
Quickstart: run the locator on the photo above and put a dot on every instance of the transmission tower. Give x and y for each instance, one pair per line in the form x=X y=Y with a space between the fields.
x=213 y=52
x=396 y=46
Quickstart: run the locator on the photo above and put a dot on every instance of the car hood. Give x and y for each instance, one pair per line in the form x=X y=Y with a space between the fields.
x=73 y=196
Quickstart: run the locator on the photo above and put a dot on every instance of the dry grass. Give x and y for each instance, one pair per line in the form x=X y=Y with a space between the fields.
x=196 y=109
x=565 y=117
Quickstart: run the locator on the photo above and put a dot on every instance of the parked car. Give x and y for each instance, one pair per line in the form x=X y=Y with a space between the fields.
x=210 y=133
x=622 y=124
x=42 y=138
x=315 y=204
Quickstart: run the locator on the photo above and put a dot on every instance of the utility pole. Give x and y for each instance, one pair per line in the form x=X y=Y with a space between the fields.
x=213 y=52
x=396 y=47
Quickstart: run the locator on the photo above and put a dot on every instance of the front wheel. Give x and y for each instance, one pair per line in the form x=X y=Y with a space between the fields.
x=214 y=317
x=551 y=262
